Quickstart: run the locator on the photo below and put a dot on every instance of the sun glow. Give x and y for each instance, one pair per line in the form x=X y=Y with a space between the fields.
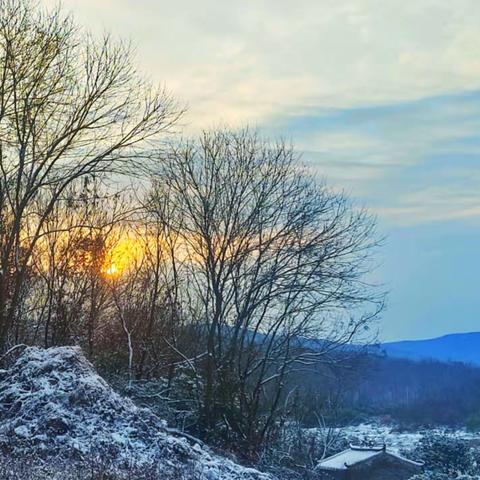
x=123 y=255
x=111 y=269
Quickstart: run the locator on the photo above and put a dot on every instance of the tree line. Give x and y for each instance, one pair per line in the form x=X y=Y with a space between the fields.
x=418 y=393
x=234 y=254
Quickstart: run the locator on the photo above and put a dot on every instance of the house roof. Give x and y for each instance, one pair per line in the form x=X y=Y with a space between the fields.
x=355 y=455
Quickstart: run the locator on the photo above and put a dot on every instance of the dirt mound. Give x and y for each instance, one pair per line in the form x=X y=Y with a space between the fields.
x=53 y=404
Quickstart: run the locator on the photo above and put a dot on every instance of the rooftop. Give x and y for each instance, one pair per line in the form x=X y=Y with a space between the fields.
x=357 y=454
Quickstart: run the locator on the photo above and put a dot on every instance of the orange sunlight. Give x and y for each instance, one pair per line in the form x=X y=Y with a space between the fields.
x=124 y=254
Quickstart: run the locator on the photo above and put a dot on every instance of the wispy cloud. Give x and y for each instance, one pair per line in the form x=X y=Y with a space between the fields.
x=245 y=61
x=412 y=162
x=363 y=87
x=433 y=205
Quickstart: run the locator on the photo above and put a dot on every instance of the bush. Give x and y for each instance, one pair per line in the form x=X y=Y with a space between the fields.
x=300 y=449
x=431 y=476
x=442 y=476
x=36 y=469
x=446 y=457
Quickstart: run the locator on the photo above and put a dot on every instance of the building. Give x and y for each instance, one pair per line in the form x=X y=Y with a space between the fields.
x=367 y=463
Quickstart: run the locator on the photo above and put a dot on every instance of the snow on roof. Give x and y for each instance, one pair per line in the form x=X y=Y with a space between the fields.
x=357 y=454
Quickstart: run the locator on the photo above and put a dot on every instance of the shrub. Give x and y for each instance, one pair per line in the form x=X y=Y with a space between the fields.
x=446 y=455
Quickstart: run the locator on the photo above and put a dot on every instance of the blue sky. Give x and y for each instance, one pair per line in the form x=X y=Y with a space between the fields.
x=416 y=164
x=382 y=97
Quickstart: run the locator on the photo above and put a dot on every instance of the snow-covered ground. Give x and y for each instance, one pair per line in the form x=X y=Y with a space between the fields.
x=396 y=440
x=53 y=405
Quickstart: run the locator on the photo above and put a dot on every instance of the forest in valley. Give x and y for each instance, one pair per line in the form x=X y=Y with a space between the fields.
x=409 y=394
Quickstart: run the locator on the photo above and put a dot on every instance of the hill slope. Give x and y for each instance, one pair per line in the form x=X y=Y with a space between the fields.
x=53 y=405
x=460 y=347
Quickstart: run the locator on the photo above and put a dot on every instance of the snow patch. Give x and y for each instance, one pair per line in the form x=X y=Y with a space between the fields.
x=54 y=404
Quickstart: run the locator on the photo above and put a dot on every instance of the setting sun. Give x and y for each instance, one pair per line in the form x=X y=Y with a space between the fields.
x=111 y=269
x=122 y=256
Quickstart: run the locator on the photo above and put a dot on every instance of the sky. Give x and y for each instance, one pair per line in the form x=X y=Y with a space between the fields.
x=382 y=99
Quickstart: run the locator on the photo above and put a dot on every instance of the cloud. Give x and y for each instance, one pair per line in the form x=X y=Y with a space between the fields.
x=238 y=62
x=434 y=205
x=411 y=162
x=363 y=87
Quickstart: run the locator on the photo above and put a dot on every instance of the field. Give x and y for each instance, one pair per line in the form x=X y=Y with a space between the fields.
x=394 y=438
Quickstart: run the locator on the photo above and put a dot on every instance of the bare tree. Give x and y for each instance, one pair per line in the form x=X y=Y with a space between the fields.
x=274 y=259
x=70 y=107
x=69 y=293
x=161 y=284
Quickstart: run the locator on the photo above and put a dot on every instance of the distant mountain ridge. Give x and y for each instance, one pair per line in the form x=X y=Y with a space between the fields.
x=457 y=347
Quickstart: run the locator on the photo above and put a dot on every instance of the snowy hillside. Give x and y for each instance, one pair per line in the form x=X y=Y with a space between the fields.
x=54 y=405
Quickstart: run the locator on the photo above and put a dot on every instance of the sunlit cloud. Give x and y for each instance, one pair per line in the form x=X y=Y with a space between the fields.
x=239 y=62
x=375 y=94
